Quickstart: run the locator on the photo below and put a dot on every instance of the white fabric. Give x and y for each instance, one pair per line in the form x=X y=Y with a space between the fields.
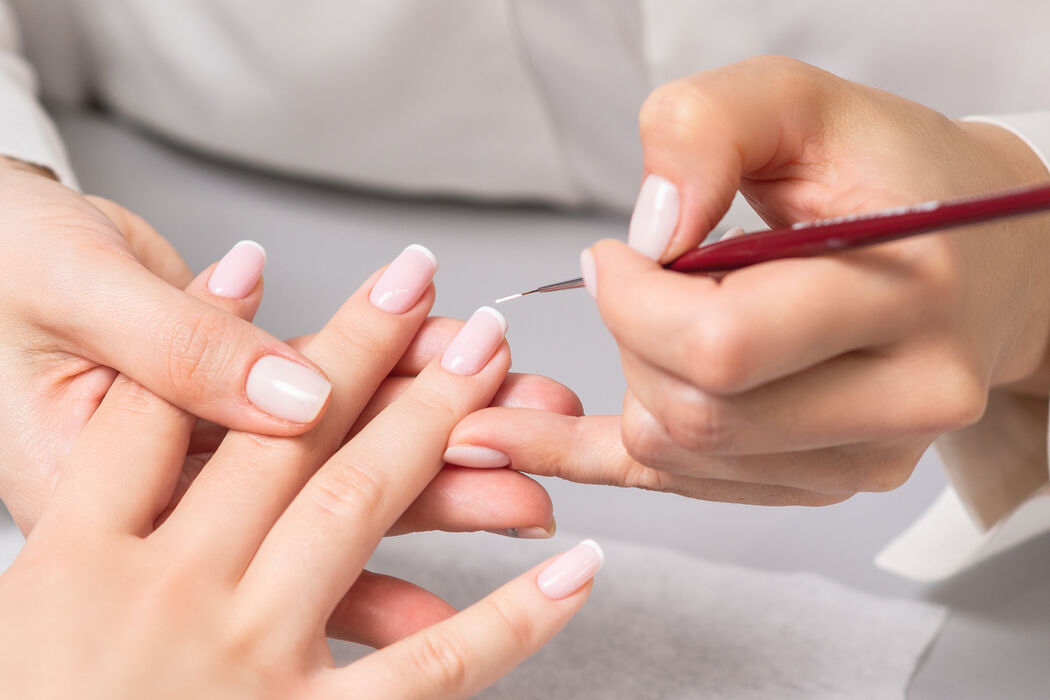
x=490 y=99
x=663 y=625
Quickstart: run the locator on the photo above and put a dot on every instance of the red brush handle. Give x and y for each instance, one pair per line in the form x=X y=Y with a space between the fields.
x=830 y=235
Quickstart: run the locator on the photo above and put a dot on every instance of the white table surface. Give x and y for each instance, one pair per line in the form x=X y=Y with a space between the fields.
x=323 y=241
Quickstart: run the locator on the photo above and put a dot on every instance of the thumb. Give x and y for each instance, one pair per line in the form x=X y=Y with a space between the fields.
x=702 y=134
x=200 y=358
x=585 y=449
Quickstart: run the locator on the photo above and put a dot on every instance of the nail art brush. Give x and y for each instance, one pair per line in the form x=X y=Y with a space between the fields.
x=808 y=239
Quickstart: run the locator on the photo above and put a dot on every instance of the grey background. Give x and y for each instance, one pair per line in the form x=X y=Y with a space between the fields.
x=322 y=242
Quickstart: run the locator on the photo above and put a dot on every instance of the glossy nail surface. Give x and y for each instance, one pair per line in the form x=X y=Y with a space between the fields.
x=475 y=343
x=589 y=272
x=567 y=573
x=475 y=456
x=655 y=217
x=239 y=271
x=286 y=389
x=404 y=280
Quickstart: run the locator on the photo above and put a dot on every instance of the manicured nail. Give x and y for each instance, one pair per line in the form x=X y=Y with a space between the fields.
x=528 y=533
x=571 y=570
x=287 y=389
x=476 y=457
x=477 y=340
x=655 y=217
x=404 y=280
x=733 y=233
x=239 y=270
x=589 y=273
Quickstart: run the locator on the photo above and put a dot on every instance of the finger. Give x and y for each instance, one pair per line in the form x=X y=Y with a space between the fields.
x=845 y=469
x=378 y=610
x=501 y=501
x=252 y=479
x=202 y=359
x=518 y=390
x=590 y=450
x=326 y=534
x=142 y=437
x=839 y=402
x=702 y=134
x=756 y=324
x=467 y=652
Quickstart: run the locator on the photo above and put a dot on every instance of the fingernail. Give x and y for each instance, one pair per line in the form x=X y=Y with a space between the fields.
x=404 y=280
x=475 y=343
x=528 y=533
x=571 y=570
x=287 y=389
x=733 y=233
x=239 y=270
x=655 y=217
x=589 y=273
x=476 y=457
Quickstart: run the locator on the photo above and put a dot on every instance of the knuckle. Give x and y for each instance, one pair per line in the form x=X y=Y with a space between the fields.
x=350 y=490
x=518 y=624
x=678 y=110
x=197 y=351
x=356 y=339
x=963 y=401
x=646 y=445
x=718 y=351
x=696 y=423
x=439 y=657
x=434 y=405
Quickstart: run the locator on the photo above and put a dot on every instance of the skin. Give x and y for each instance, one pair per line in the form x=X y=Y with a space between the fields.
x=89 y=289
x=228 y=596
x=803 y=381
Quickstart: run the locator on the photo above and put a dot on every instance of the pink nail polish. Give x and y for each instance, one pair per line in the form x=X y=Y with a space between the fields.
x=589 y=272
x=286 y=389
x=476 y=457
x=477 y=340
x=567 y=573
x=239 y=270
x=655 y=217
x=404 y=280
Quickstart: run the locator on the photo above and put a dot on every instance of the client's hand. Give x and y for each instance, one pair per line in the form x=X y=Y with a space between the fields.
x=86 y=286
x=230 y=593
x=797 y=381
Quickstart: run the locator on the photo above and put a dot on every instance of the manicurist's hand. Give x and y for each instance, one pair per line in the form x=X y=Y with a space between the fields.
x=230 y=592
x=87 y=286
x=797 y=381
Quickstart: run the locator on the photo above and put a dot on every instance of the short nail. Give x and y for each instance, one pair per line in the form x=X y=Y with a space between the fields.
x=733 y=233
x=655 y=217
x=404 y=280
x=475 y=343
x=239 y=270
x=527 y=533
x=475 y=456
x=287 y=389
x=589 y=272
x=571 y=570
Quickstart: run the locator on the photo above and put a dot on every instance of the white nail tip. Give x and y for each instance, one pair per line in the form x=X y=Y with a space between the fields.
x=597 y=550
x=425 y=251
x=497 y=315
x=252 y=244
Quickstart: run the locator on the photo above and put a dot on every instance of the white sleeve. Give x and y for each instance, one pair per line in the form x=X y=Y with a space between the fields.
x=1032 y=127
x=26 y=132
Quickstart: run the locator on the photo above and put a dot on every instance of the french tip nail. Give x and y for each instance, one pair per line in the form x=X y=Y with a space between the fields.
x=425 y=251
x=235 y=276
x=254 y=244
x=566 y=574
x=589 y=272
x=498 y=316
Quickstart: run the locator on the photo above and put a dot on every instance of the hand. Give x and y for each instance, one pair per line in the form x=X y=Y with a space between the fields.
x=73 y=264
x=87 y=286
x=798 y=381
x=231 y=594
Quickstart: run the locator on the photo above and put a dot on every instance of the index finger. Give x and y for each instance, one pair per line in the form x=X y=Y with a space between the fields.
x=754 y=325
